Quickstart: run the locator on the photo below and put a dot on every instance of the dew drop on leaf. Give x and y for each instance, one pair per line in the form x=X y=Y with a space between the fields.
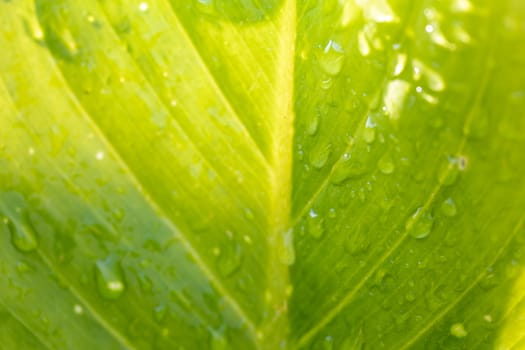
x=218 y=341
x=448 y=207
x=109 y=278
x=286 y=250
x=410 y=296
x=23 y=237
x=326 y=83
x=320 y=155
x=160 y=312
x=419 y=225
x=78 y=309
x=230 y=258
x=386 y=165
x=315 y=224
x=369 y=133
x=348 y=169
x=458 y=330
x=313 y=125
x=328 y=343
x=332 y=57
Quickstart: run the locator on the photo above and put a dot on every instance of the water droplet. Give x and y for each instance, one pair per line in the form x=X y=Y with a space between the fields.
x=363 y=45
x=394 y=98
x=332 y=58
x=328 y=343
x=386 y=165
x=248 y=213
x=458 y=330
x=448 y=207
x=401 y=63
x=78 y=309
x=449 y=172
x=410 y=296
x=350 y=168
x=218 y=341
x=377 y=10
x=357 y=243
x=369 y=133
x=100 y=155
x=230 y=258
x=434 y=80
x=332 y=213
x=320 y=155
x=315 y=224
x=286 y=250
x=109 y=278
x=420 y=224
x=326 y=83
x=313 y=125
x=23 y=237
x=160 y=312
x=143 y=6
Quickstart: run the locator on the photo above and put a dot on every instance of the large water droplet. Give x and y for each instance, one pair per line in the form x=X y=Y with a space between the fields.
x=420 y=224
x=110 y=278
x=332 y=58
x=350 y=168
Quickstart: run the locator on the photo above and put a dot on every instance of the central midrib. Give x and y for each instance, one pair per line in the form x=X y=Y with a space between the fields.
x=274 y=330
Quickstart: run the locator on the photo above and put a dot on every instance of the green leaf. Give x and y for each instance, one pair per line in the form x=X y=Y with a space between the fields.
x=262 y=174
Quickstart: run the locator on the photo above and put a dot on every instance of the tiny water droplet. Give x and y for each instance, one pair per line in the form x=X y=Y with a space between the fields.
x=143 y=6
x=160 y=312
x=328 y=343
x=458 y=330
x=362 y=44
x=315 y=224
x=386 y=165
x=109 y=278
x=332 y=58
x=326 y=83
x=248 y=213
x=218 y=341
x=420 y=224
x=286 y=250
x=448 y=207
x=78 y=309
x=313 y=125
x=100 y=155
x=401 y=62
x=410 y=296
x=332 y=213
x=449 y=172
x=230 y=258
x=369 y=133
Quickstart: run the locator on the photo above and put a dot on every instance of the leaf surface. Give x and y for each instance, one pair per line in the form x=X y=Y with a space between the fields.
x=262 y=174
